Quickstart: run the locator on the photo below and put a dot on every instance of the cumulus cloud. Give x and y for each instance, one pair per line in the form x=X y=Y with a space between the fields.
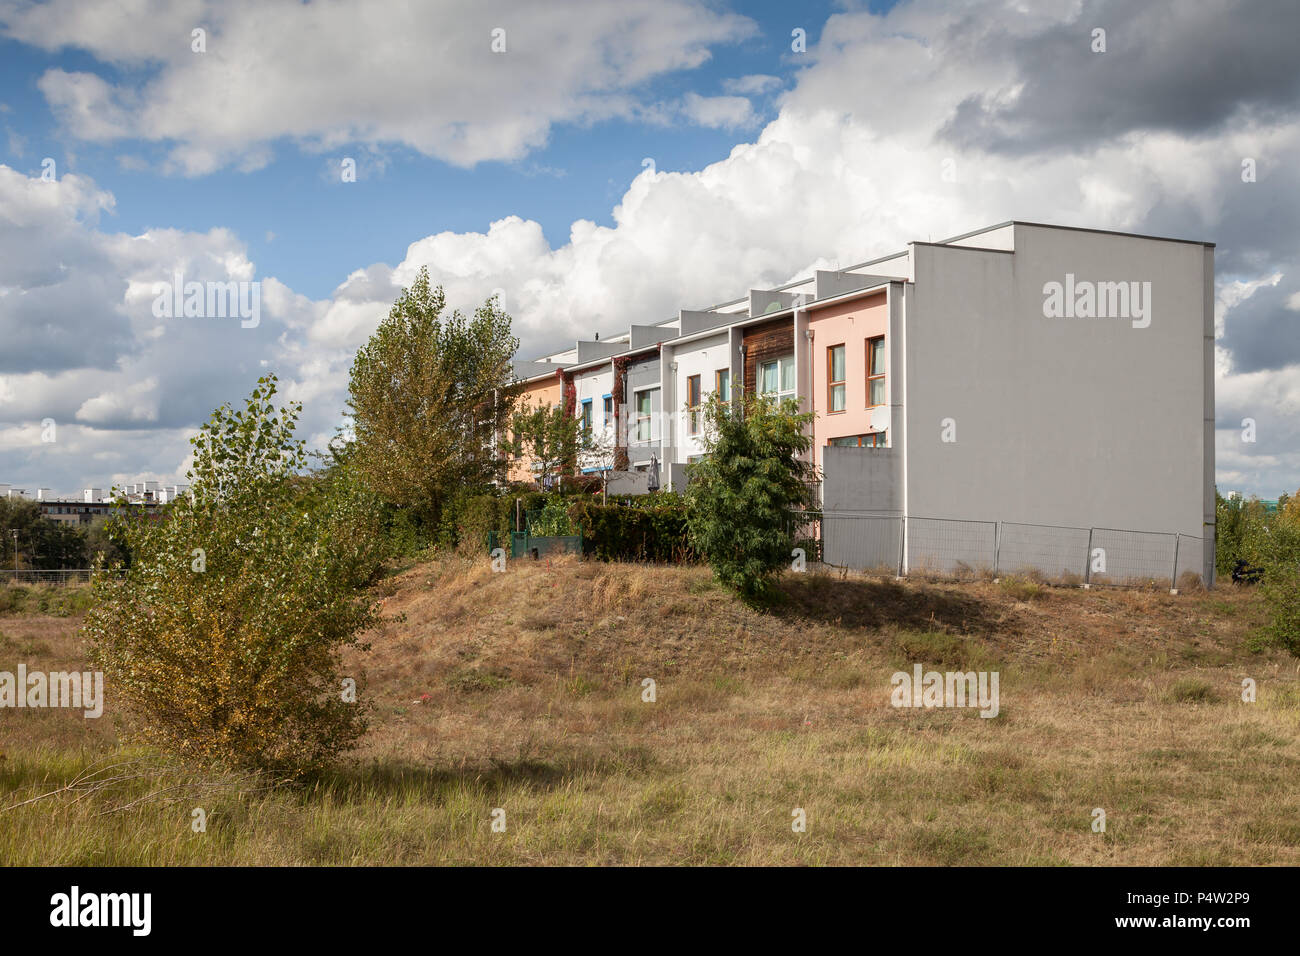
x=423 y=75
x=855 y=164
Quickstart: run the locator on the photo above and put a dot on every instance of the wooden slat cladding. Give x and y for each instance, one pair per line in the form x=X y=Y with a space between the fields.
x=763 y=343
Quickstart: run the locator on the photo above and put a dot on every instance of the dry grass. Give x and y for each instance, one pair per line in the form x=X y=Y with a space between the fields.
x=523 y=691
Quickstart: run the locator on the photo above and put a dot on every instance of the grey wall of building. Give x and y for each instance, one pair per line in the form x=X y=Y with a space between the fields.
x=1060 y=421
x=862 y=480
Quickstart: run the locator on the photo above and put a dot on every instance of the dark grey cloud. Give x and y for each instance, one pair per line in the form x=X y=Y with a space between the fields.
x=1261 y=332
x=1183 y=67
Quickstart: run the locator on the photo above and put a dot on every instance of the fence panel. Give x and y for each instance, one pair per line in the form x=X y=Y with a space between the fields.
x=63 y=576
x=1051 y=551
x=1191 y=558
x=864 y=542
x=1132 y=557
x=948 y=546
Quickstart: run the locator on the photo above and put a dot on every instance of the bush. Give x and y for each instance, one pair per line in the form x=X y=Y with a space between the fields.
x=656 y=532
x=1280 y=591
x=481 y=515
x=224 y=636
x=743 y=496
x=552 y=519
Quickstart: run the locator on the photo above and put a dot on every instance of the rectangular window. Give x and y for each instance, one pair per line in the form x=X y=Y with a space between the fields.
x=722 y=384
x=586 y=416
x=872 y=440
x=609 y=411
x=693 y=405
x=776 y=378
x=876 y=371
x=643 y=406
x=835 y=377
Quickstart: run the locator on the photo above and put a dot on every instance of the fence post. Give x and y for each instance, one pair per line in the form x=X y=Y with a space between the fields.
x=902 y=542
x=1087 y=562
x=1173 y=575
x=997 y=546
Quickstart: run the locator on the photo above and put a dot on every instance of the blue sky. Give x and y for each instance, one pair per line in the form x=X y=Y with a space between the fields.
x=522 y=171
x=307 y=228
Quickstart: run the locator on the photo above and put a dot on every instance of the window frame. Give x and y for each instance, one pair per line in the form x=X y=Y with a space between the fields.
x=646 y=419
x=833 y=383
x=693 y=384
x=719 y=377
x=872 y=374
x=780 y=394
x=867 y=440
x=586 y=416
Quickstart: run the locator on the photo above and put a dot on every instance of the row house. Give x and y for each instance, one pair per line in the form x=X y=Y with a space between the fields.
x=1023 y=372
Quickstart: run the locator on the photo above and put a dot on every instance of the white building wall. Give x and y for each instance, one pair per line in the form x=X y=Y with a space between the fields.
x=703 y=357
x=593 y=385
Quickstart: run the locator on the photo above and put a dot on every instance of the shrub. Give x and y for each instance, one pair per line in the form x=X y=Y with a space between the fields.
x=655 y=532
x=481 y=515
x=742 y=497
x=552 y=519
x=224 y=636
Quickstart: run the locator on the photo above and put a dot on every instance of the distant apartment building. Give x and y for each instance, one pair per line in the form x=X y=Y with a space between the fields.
x=94 y=503
x=1023 y=375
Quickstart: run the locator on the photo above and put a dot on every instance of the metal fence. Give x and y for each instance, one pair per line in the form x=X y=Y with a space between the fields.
x=950 y=547
x=65 y=576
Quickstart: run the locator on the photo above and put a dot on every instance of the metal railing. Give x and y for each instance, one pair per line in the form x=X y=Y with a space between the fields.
x=62 y=576
x=951 y=547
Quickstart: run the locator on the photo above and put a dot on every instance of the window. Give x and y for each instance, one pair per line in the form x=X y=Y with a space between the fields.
x=835 y=398
x=643 y=406
x=693 y=405
x=586 y=416
x=876 y=371
x=722 y=384
x=609 y=411
x=872 y=440
x=776 y=378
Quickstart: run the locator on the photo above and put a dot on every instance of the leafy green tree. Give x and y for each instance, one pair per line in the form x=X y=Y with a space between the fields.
x=742 y=497
x=427 y=395
x=552 y=439
x=42 y=544
x=224 y=636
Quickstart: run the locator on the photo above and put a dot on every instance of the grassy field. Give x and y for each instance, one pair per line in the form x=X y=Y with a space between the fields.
x=523 y=691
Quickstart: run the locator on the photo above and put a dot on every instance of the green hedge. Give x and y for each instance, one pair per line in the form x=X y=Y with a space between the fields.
x=653 y=532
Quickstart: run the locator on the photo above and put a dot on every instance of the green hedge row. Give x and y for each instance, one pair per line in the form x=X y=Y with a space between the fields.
x=651 y=532
x=641 y=528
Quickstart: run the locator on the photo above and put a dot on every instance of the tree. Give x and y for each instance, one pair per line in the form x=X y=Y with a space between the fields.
x=224 y=636
x=743 y=495
x=599 y=450
x=551 y=438
x=428 y=394
x=42 y=544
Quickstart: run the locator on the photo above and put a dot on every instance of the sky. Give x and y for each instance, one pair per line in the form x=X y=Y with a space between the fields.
x=597 y=165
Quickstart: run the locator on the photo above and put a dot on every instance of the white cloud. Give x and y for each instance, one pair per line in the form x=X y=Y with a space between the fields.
x=423 y=75
x=851 y=168
x=718 y=112
x=755 y=84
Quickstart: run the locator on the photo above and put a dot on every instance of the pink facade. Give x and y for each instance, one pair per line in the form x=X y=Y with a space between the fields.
x=850 y=325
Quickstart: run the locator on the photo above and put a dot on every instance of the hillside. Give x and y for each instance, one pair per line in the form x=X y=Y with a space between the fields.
x=523 y=691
